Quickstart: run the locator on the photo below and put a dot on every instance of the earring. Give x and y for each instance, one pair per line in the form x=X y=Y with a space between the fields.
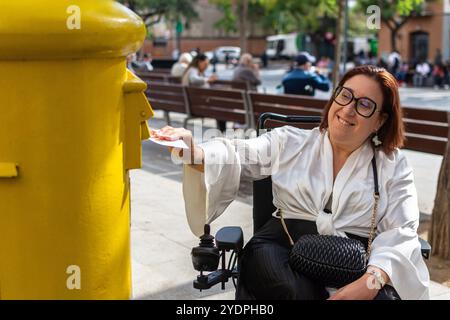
x=375 y=140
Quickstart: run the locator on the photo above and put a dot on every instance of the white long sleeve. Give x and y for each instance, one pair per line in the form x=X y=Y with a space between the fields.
x=208 y=194
x=396 y=248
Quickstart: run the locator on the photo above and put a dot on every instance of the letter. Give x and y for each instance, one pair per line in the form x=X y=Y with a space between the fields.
x=262 y=309
x=373 y=21
x=206 y=311
x=180 y=310
x=236 y=309
x=74 y=20
x=74 y=280
x=256 y=309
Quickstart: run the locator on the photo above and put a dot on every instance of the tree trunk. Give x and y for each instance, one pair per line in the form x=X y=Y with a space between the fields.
x=337 y=50
x=393 y=36
x=243 y=13
x=440 y=218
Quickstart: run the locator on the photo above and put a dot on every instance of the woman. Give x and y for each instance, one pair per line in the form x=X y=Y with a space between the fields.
x=328 y=167
x=194 y=75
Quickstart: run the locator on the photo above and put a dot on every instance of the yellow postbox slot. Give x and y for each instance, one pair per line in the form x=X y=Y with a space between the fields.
x=8 y=170
x=137 y=111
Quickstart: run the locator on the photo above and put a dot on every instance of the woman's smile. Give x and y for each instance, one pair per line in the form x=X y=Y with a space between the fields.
x=344 y=122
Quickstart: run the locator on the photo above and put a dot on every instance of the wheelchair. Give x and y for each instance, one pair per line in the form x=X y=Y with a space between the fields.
x=212 y=250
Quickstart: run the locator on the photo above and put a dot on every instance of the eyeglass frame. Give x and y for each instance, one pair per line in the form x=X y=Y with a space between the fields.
x=356 y=101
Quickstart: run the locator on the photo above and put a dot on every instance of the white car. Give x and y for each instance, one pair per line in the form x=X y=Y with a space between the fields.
x=232 y=52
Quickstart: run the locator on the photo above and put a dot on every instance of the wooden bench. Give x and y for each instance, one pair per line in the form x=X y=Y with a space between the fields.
x=286 y=105
x=229 y=84
x=219 y=104
x=153 y=77
x=173 y=79
x=426 y=130
x=161 y=70
x=167 y=97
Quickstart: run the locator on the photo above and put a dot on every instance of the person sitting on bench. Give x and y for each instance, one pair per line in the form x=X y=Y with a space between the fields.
x=301 y=80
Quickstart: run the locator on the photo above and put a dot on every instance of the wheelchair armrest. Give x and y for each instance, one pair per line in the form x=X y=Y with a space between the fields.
x=230 y=238
x=425 y=248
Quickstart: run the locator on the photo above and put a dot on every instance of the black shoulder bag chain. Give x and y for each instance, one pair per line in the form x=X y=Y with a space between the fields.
x=333 y=261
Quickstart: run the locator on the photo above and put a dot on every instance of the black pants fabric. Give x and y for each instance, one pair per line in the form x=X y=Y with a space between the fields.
x=265 y=272
x=221 y=125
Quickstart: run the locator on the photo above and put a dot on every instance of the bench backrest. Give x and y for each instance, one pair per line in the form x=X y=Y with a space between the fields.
x=173 y=79
x=426 y=130
x=220 y=104
x=285 y=104
x=153 y=77
x=167 y=97
x=228 y=84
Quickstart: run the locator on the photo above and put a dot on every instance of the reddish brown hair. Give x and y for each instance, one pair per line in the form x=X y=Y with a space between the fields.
x=392 y=133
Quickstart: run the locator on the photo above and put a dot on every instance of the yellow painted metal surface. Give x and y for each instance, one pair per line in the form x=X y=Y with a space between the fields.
x=71 y=119
x=8 y=170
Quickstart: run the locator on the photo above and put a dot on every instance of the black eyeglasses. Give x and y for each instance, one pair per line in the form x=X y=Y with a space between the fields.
x=365 y=107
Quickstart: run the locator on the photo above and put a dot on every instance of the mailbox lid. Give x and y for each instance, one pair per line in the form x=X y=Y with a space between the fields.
x=49 y=29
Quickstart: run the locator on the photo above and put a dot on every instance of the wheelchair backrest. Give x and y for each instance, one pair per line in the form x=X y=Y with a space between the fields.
x=262 y=189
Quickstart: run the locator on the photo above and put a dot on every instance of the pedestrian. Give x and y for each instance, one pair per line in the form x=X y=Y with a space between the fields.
x=421 y=73
x=264 y=59
x=394 y=61
x=438 y=75
x=438 y=57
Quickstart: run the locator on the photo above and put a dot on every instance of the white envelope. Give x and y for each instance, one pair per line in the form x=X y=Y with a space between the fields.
x=176 y=143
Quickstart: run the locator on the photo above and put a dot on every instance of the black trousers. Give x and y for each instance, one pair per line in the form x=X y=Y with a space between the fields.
x=221 y=125
x=265 y=272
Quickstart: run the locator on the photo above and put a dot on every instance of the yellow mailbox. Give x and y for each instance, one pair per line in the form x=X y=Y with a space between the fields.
x=71 y=123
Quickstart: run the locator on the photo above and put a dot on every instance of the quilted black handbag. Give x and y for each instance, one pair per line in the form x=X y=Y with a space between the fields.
x=332 y=260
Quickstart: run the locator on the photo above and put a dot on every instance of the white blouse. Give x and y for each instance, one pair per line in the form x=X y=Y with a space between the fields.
x=301 y=165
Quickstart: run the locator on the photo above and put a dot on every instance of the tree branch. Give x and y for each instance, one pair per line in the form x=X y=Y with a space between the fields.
x=391 y=24
x=159 y=12
x=150 y=23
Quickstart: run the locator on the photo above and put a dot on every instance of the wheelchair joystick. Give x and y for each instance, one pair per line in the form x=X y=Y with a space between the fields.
x=206 y=256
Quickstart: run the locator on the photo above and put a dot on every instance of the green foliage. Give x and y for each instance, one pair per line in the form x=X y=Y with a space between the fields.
x=283 y=16
x=392 y=9
x=228 y=22
x=152 y=11
x=278 y=16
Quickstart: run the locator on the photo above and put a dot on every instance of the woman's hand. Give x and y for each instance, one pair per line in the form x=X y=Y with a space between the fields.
x=357 y=290
x=193 y=155
x=212 y=78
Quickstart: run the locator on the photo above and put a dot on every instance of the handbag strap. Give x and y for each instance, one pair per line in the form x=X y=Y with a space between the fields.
x=376 y=196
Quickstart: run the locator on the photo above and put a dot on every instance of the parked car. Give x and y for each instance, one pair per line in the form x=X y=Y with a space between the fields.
x=233 y=53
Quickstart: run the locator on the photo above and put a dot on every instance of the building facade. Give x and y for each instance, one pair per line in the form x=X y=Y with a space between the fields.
x=203 y=34
x=420 y=37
